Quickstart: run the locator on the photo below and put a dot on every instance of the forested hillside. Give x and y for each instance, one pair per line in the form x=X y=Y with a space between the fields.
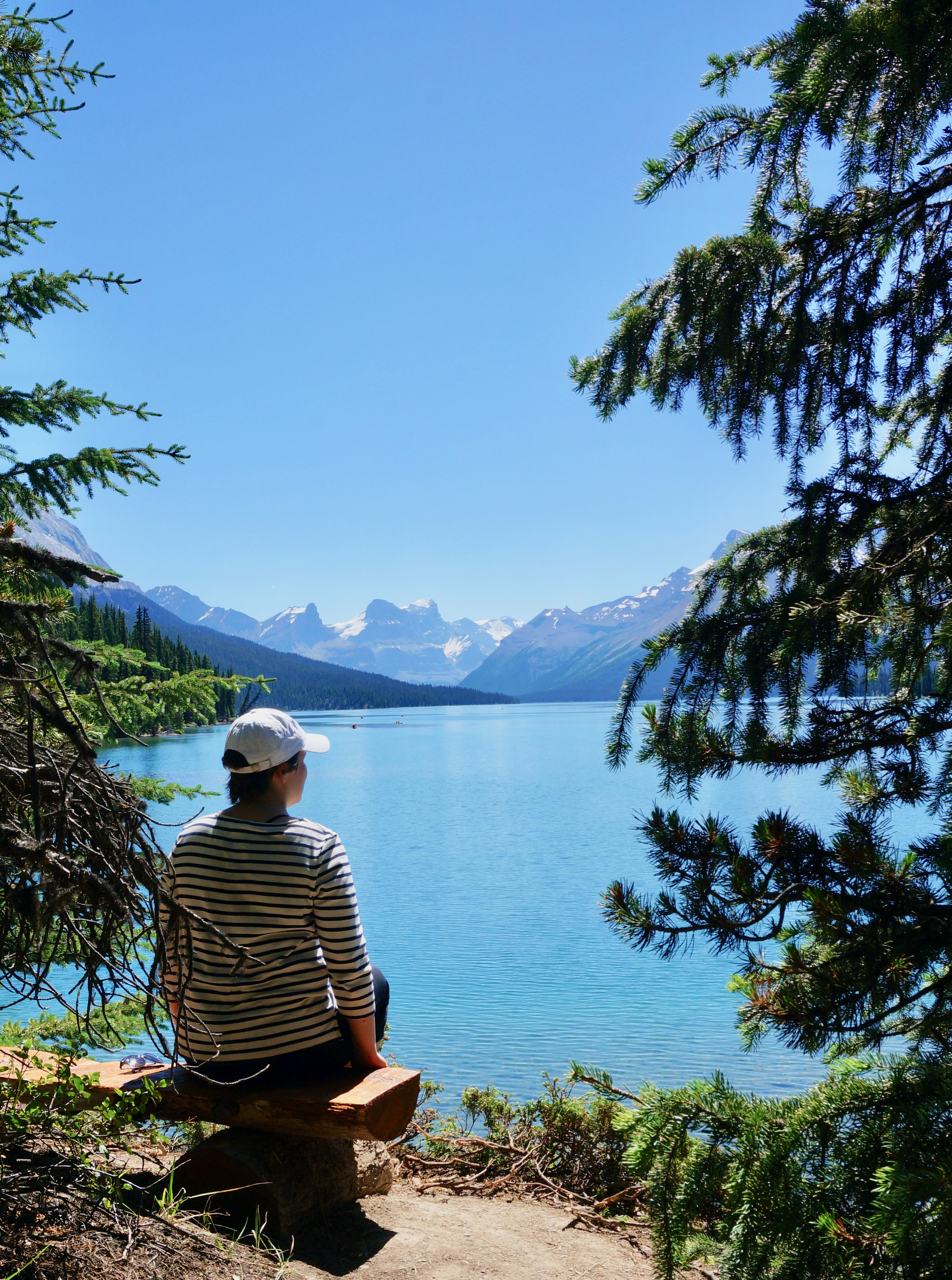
x=109 y=625
x=301 y=684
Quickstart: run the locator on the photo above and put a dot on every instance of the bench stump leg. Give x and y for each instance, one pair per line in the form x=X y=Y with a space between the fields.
x=289 y=1181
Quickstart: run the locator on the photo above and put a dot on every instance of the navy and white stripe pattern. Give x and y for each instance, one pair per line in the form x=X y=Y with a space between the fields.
x=286 y=894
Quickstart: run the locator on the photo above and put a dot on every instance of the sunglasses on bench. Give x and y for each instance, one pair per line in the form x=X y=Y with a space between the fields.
x=139 y=1061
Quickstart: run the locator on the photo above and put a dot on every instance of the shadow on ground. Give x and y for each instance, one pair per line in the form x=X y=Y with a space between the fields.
x=342 y=1240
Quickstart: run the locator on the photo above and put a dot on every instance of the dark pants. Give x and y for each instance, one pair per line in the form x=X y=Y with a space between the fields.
x=303 y=1065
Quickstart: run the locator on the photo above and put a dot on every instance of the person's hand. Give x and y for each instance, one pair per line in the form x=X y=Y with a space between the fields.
x=376 y=1059
x=366 y=1053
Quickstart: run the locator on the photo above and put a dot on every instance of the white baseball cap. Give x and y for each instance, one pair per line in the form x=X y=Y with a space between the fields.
x=267 y=738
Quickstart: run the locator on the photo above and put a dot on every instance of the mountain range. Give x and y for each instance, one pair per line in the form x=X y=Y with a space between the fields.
x=560 y=655
x=564 y=656
x=406 y=642
x=300 y=683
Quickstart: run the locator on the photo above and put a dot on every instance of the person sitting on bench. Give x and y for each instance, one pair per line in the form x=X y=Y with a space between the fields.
x=305 y=1000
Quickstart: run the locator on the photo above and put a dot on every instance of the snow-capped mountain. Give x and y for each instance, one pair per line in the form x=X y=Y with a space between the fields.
x=563 y=655
x=408 y=642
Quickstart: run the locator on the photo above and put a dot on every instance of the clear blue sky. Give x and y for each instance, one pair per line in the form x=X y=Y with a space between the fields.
x=370 y=236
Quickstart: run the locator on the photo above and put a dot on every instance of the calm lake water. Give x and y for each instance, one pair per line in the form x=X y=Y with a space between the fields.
x=481 y=838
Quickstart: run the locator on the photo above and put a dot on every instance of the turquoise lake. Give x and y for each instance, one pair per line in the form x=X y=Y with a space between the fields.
x=481 y=839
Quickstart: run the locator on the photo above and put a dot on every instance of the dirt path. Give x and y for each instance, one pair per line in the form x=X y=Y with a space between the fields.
x=406 y=1236
x=400 y=1236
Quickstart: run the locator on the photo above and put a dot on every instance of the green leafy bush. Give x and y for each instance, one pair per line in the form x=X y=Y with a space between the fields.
x=557 y=1144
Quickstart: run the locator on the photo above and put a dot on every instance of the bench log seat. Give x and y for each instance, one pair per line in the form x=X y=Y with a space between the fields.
x=372 y=1105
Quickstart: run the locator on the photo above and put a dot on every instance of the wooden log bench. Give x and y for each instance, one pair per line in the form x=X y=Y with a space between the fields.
x=287 y=1154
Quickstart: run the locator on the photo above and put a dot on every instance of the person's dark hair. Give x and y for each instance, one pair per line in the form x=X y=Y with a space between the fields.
x=248 y=786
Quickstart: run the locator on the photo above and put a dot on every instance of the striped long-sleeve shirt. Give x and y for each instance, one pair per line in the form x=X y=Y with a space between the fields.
x=287 y=895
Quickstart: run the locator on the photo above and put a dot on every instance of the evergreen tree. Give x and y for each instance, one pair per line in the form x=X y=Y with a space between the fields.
x=79 y=863
x=92 y=629
x=114 y=630
x=826 y=323
x=141 y=636
x=148 y=681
